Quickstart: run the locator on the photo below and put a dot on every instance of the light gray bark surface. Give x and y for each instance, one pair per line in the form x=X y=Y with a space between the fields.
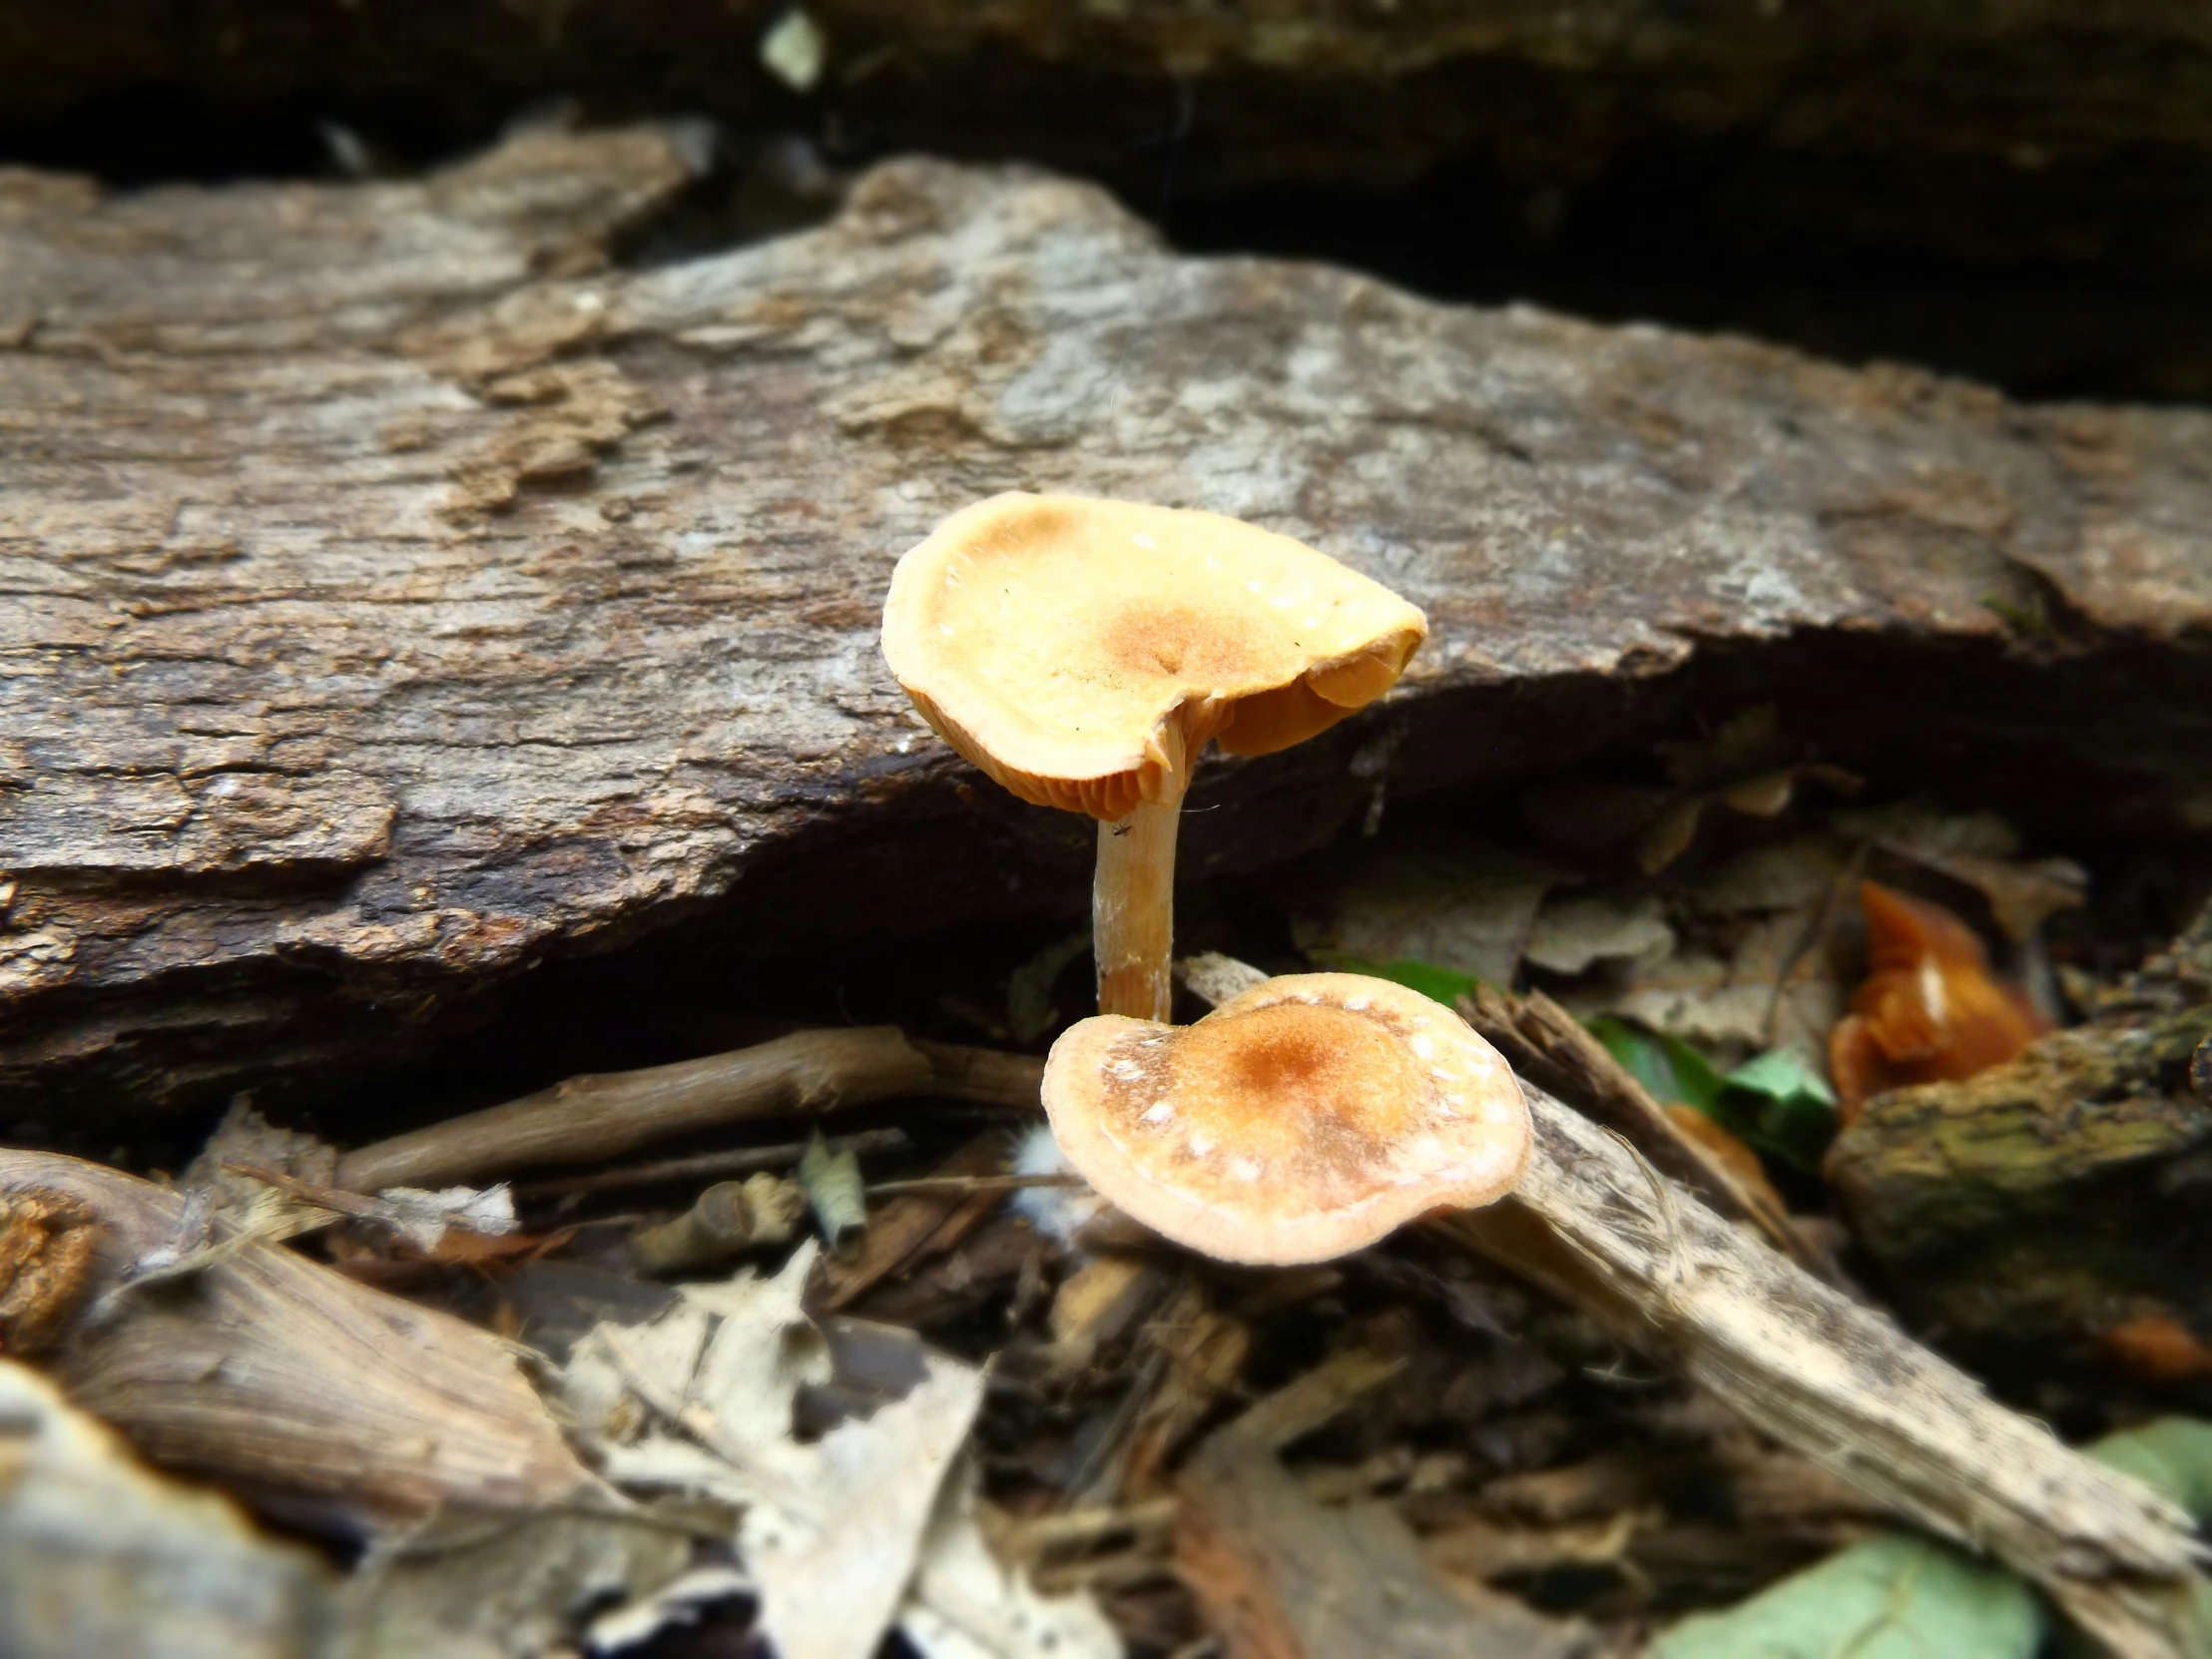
x=393 y=592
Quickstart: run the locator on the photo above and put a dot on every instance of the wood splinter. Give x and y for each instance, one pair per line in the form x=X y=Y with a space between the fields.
x=319 y=1399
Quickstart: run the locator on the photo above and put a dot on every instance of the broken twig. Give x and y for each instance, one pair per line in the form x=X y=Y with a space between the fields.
x=729 y=1217
x=599 y=1116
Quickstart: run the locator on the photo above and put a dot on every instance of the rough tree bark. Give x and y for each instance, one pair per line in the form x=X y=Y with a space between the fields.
x=396 y=593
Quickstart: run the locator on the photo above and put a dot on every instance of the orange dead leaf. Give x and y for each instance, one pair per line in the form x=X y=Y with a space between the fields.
x=2156 y=1347
x=1929 y=1009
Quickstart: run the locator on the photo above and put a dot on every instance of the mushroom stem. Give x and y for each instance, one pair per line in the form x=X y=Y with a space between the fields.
x=1133 y=911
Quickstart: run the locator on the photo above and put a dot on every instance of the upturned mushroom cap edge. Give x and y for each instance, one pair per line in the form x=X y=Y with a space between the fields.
x=1082 y=652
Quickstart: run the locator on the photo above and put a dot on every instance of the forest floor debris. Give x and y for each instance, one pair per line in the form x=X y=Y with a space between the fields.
x=970 y=1413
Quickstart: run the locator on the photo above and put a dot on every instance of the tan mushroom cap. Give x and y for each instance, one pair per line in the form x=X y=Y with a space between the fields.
x=1082 y=652
x=1298 y=1122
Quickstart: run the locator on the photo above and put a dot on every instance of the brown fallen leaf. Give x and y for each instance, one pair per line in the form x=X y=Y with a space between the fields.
x=1281 y=1576
x=2156 y=1347
x=1978 y=850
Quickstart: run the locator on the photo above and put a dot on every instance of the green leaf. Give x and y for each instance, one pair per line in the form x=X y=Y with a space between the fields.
x=1440 y=985
x=1777 y=1103
x=1894 y=1596
x=832 y=1185
x=1781 y=1105
x=1785 y=1074
x=1668 y=1068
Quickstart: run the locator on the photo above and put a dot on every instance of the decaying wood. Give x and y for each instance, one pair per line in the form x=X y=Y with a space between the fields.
x=2052 y=1210
x=585 y=1118
x=1548 y=1047
x=1597 y=1225
x=317 y=1397
x=400 y=596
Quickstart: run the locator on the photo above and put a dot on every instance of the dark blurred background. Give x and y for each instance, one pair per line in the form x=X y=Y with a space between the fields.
x=2018 y=190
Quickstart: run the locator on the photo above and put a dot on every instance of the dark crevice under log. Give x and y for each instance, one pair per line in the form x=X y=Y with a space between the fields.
x=1994 y=125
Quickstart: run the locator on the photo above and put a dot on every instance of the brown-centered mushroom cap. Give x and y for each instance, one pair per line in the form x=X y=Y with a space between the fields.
x=1300 y=1121
x=1082 y=652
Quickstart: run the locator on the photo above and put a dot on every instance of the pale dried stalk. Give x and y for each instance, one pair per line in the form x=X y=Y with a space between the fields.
x=1597 y=1226
x=319 y=1397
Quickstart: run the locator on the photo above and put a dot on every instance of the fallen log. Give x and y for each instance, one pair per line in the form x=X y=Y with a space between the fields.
x=403 y=595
